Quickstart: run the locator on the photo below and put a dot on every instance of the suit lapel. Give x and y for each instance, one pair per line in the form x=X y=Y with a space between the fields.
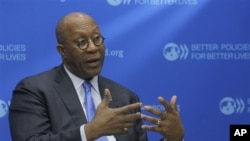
x=104 y=84
x=69 y=97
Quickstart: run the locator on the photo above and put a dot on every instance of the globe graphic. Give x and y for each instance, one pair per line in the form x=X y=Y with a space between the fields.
x=227 y=106
x=115 y=2
x=171 y=51
x=3 y=108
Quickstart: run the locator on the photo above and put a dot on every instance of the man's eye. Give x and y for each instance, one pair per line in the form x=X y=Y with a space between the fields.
x=83 y=42
x=98 y=37
x=98 y=40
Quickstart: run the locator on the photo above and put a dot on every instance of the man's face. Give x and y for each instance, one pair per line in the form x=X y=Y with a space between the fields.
x=84 y=63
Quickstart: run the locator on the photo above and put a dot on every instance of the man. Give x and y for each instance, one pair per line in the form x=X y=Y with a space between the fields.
x=50 y=106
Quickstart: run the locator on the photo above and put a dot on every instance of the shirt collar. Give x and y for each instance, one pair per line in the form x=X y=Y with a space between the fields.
x=77 y=81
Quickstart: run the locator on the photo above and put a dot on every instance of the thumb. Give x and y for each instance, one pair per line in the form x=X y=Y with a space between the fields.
x=107 y=97
x=173 y=102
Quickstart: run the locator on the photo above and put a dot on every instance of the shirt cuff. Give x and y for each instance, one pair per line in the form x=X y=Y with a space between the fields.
x=82 y=133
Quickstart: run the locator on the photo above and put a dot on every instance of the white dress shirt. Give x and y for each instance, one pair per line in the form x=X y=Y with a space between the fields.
x=77 y=82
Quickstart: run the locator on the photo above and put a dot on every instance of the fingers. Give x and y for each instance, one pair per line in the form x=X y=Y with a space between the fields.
x=131 y=118
x=150 y=127
x=107 y=97
x=173 y=100
x=131 y=108
x=170 y=107
x=149 y=119
x=153 y=110
x=127 y=114
x=122 y=110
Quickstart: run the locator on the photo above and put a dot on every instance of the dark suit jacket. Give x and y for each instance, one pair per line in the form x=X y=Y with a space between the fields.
x=45 y=107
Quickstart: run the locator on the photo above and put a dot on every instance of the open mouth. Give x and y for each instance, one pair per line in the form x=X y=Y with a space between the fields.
x=93 y=62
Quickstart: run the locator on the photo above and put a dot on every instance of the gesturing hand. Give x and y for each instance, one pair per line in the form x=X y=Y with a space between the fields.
x=169 y=123
x=108 y=121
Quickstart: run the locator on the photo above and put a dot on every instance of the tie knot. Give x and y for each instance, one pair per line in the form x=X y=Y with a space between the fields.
x=87 y=85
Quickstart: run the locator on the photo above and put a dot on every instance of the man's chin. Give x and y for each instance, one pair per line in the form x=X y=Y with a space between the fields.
x=92 y=73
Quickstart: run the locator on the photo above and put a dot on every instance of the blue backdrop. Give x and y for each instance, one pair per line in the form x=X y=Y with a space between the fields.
x=196 y=49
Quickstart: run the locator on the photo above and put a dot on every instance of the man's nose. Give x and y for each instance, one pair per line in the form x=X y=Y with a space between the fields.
x=92 y=47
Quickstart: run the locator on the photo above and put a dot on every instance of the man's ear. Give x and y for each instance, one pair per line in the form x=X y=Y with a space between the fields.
x=61 y=50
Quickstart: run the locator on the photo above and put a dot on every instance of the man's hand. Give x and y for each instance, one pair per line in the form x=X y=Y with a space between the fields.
x=169 y=123
x=108 y=121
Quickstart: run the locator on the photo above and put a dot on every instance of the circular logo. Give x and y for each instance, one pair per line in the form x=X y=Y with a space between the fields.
x=114 y=2
x=3 y=108
x=227 y=106
x=171 y=51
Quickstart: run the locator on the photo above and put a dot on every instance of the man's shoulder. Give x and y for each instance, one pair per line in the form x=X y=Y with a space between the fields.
x=42 y=77
x=42 y=74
